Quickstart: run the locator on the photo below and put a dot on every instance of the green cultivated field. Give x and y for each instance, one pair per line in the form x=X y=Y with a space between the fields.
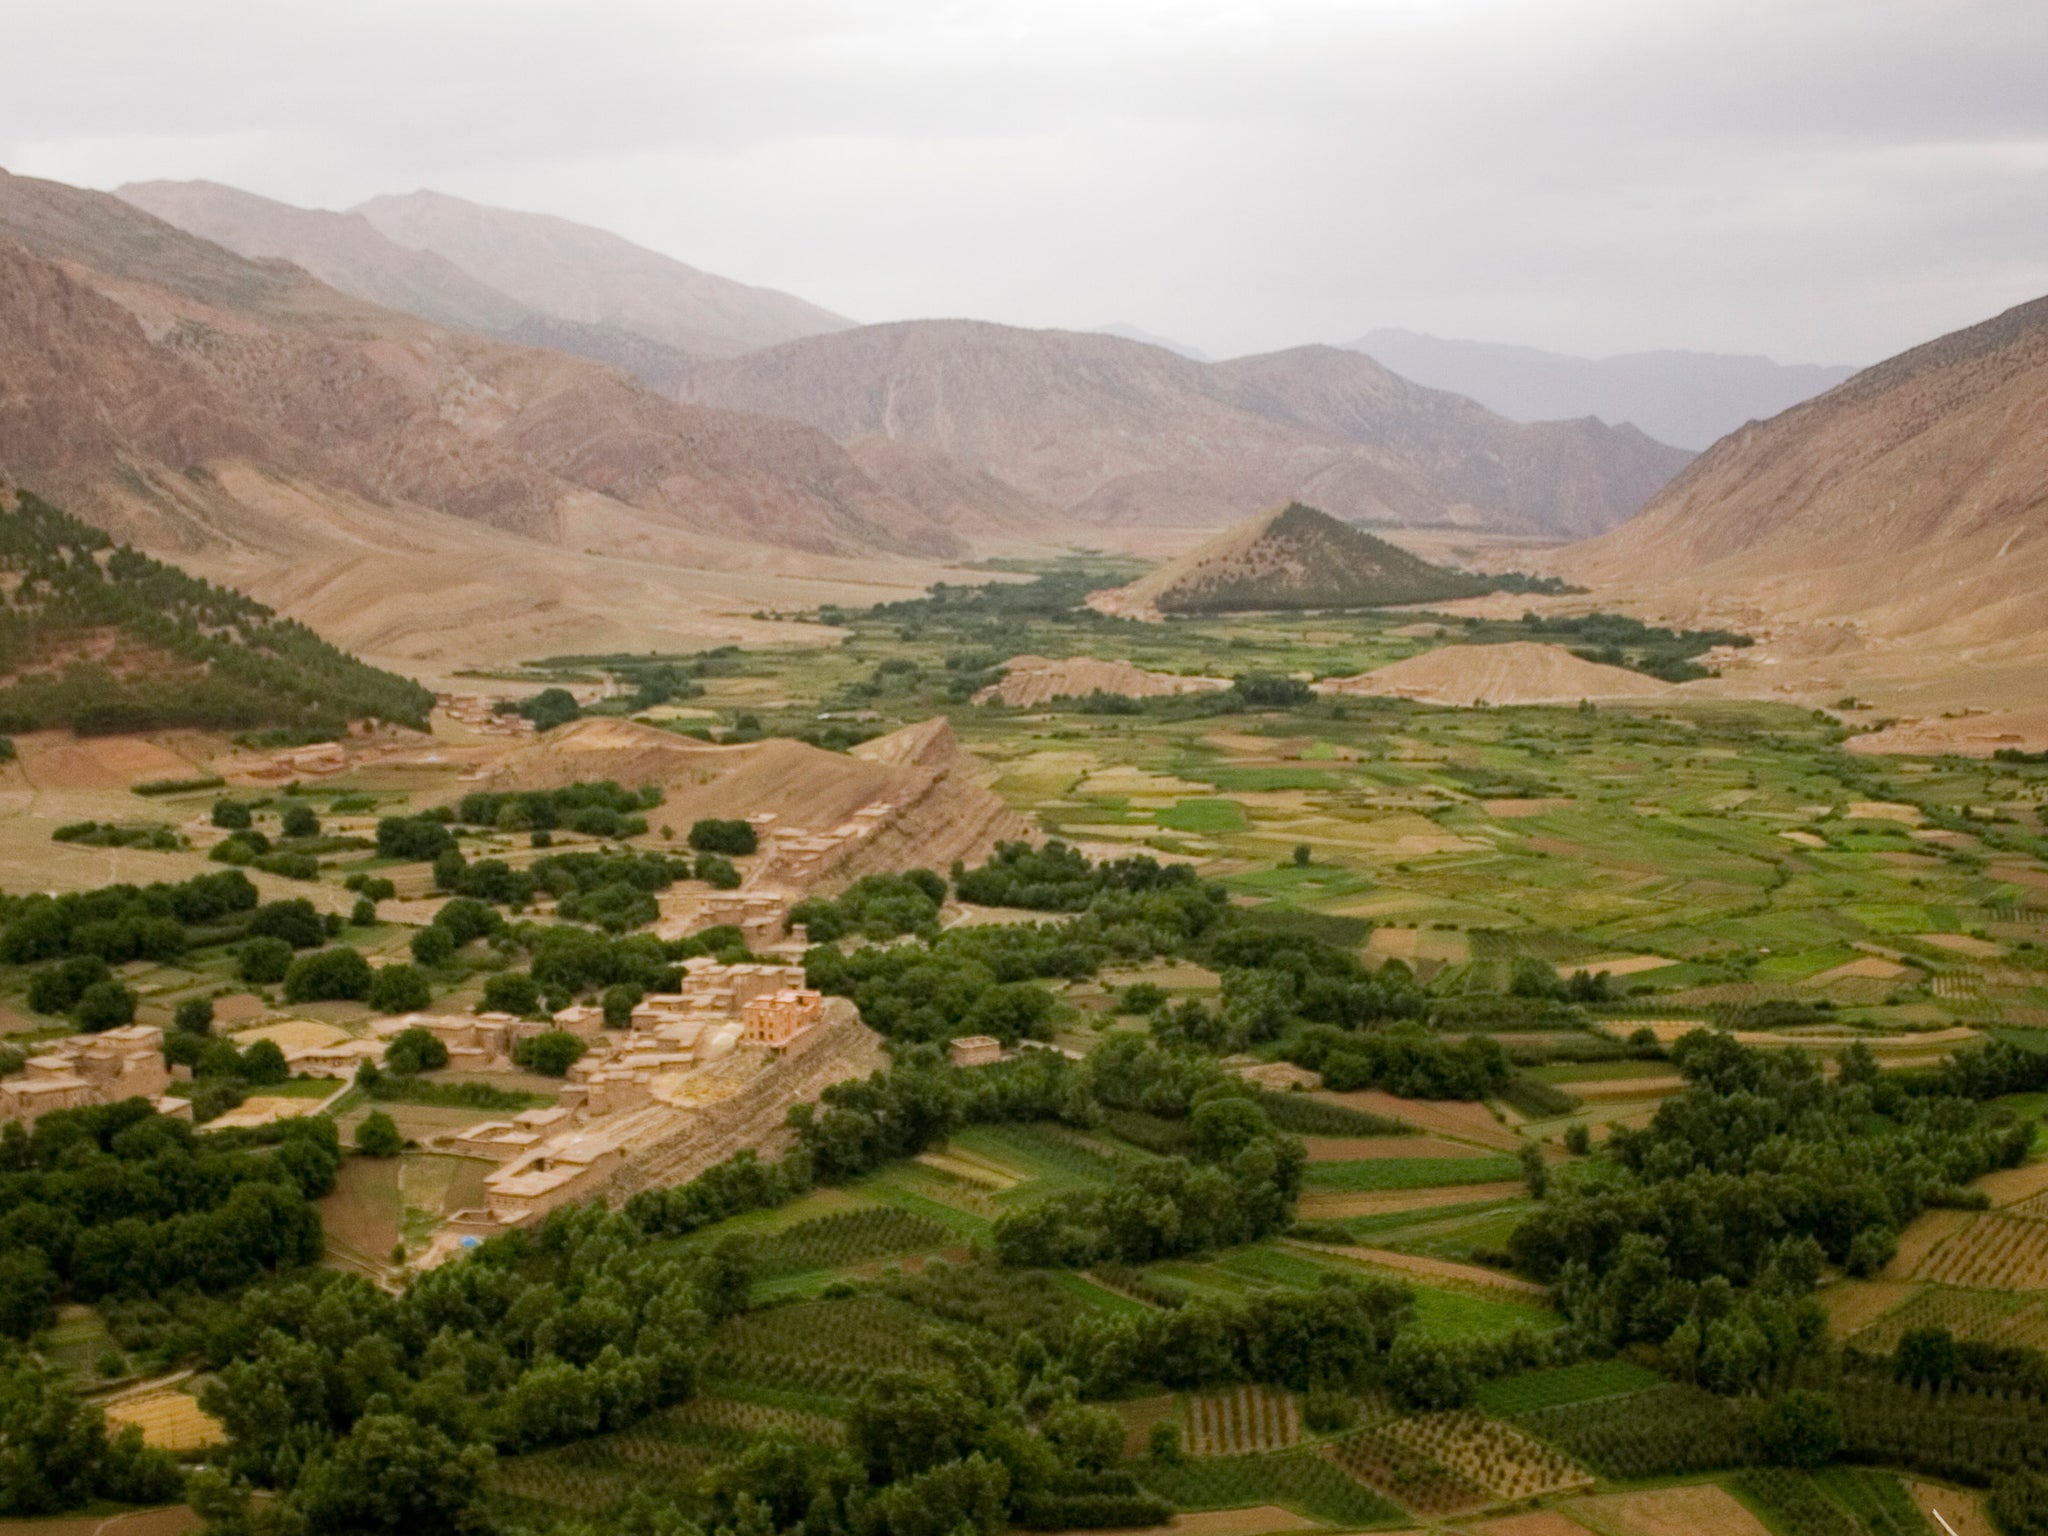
x=1726 y=864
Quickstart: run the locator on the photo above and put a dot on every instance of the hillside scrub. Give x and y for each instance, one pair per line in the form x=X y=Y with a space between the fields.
x=186 y=654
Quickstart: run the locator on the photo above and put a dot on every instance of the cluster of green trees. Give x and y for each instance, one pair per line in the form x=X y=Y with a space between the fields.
x=118 y=923
x=547 y=709
x=613 y=889
x=732 y=837
x=876 y=907
x=117 y=1200
x=223 y=661
x=1715 y=1223
x=599 y=808
x=153 y=835
x=1239 y=1186
x=1404 y=1059
x=59 y=1455
x=970 y=1449
x=1059 y=878
x=365 y=1411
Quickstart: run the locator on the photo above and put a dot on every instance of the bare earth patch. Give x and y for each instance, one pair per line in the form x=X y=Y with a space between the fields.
x=171 y=1421
x=1621 y=965
x=1629 y=1087
x=1328 y=1205
x=1706 y=1509
x=2009 y=1186
x=1443 y=1269
x=1510 y=810
x=1450 y=1117
x=1925 y=1233
x=1537 y=1522
x=1963 y=944
x=1029 y=681
x=1853 y=1305
x=1962 y=1513
x=1519 y=672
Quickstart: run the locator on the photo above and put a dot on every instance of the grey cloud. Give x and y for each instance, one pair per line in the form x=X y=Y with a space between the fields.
x=1826 y=179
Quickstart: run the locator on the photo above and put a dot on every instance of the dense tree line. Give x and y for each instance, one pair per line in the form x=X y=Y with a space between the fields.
x=1717 y=1220
x=225 y=662
x=876 y=907
x=369 y=1411
x=58 y=1455
x=597 y=807
x=1058 y=878
x=117 y=1200
x=118 y=923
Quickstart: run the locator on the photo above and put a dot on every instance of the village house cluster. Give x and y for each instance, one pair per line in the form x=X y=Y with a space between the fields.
x=724 y=1022
x=84 y=1070
x=479 y=713
x=794 y=857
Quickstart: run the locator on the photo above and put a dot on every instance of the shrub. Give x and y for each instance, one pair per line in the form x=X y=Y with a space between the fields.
x=263 y=1065
x=194 y=1016
x=263 y=961
x=363 y=914
x=717 y=871
x=465 y=918
x=2019 y=1502
x=620 y=1000
x=550 y=707
x=713 y=835
x=299 y=820
x=551 y=1054
x=399 y=989
x=104 y=1005
x=58 y=988
x=1141 y=997
x=511 y=992
x=379 y=1136
x=230 y=815
x=449 y=865
x=1326 y=1411
x=412 y=838
x=330 y=975
x=1800 y=1428
x=432 y=946
x=294 y=921
x=413 y=1051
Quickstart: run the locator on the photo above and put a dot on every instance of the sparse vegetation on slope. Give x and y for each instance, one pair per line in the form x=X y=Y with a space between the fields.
x=99 y=637
x=1296 y=557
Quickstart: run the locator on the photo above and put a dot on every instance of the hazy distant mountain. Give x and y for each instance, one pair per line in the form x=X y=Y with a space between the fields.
x=592 y=277
x=346 y=251
x=1686 y=398
x=1115 y=431
x=241 y=413
x=1910 y=502
x=1131 y=332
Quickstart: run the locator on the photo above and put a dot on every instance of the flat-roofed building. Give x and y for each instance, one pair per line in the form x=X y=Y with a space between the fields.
x=975 y=1051
x=777 y=1020
x=561 y=1170
x=80 y=1071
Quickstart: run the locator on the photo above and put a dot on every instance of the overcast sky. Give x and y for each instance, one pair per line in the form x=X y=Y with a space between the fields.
x=1817 y=180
